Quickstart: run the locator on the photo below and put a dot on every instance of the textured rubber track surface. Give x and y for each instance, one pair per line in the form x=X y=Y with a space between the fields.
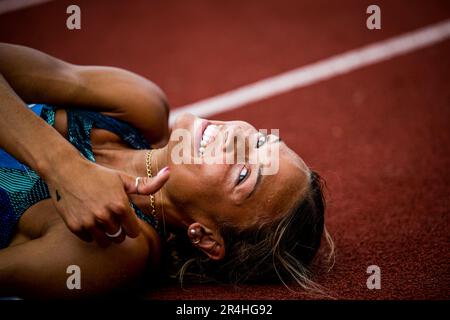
x=380 y=135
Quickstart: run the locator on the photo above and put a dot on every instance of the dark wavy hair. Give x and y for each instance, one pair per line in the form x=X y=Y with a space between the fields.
x=278 y=250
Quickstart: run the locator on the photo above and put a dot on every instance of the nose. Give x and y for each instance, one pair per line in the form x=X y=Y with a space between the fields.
x=240 y=149
x=228 y=137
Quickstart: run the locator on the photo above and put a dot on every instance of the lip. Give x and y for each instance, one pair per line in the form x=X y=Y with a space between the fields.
x=199 y=129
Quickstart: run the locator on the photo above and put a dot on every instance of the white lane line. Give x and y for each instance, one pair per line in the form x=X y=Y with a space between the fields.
x=319 y=71
x=13 y=5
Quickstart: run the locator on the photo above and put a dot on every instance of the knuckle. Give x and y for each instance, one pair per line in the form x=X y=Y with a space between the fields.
x=119 y=208
x=89 y=224
x=74 y=225
x=103 y=215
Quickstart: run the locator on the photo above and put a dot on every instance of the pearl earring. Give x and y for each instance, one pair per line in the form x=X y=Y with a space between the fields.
x=193 y=232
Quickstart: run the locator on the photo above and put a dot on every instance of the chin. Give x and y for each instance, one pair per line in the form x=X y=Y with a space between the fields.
x=184 y=121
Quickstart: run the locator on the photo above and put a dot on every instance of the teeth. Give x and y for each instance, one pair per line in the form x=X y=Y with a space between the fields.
x=209 y=132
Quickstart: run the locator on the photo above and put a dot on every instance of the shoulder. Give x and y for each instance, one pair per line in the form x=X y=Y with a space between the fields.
x=42 y=262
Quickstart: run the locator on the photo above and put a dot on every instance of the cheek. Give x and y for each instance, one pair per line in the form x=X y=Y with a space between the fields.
x=196 y=184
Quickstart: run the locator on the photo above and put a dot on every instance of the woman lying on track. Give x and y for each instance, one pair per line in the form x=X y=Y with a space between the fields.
x=84 y=182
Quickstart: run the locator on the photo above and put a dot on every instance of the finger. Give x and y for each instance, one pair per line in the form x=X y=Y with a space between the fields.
x=111 y=226
x=120 y=238
x=77 y=228
x=99 y=236
x=144 y=185
x=152 y=185
x=129 y=222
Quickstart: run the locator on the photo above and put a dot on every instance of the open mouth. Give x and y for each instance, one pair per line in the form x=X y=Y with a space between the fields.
x=200 y=128
x=208 y=135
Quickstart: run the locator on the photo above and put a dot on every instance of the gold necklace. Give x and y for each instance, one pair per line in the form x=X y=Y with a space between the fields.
x=148 y=162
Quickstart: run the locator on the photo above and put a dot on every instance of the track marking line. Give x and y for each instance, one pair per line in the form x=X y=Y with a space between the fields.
x=319 y=71
x=13 y=5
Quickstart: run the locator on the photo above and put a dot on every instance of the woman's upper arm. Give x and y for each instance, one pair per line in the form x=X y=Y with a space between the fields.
x=37 y=77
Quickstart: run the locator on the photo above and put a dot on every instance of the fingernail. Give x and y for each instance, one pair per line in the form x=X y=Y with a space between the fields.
x=163 y=170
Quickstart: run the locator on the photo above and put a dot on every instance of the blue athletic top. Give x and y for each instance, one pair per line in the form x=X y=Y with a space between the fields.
x=21 y=187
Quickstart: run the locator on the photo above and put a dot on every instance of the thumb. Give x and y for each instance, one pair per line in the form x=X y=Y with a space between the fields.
x=145 y=185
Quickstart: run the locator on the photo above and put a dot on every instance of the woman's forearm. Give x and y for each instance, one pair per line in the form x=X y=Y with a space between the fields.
x=30 y=76
x=28 y=137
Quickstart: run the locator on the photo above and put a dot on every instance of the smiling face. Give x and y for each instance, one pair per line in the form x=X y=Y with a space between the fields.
x=233 y=191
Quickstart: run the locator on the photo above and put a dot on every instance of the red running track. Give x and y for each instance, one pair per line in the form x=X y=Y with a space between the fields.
x=379 y=135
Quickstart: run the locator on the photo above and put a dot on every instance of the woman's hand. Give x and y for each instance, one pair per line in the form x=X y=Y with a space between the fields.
x=93 y=201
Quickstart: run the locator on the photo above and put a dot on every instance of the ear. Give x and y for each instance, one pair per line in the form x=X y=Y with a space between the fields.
x=208 y=240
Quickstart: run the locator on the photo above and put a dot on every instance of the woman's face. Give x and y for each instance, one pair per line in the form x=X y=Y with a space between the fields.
x=224 y=175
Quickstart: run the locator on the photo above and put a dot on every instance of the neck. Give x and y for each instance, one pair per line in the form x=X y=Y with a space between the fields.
x=133 y=162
